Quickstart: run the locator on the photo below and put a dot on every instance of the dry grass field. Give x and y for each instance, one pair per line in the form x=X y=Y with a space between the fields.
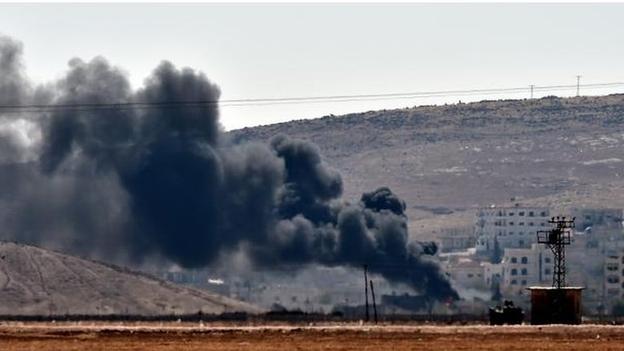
x=174 y=336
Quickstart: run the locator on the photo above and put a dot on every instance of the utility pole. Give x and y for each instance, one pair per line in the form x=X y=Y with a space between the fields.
x=531 y=86
x=578 y=86
x=374 y=303
x=366 y=290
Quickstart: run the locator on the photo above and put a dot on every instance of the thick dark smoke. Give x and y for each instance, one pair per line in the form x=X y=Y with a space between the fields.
x=163 y=182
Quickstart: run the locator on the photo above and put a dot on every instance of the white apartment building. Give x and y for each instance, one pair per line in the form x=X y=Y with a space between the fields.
x=613 y=281
x=511 y=227
x=522 y=268
x=596 y=254
x=594 y=259
x=614 y=276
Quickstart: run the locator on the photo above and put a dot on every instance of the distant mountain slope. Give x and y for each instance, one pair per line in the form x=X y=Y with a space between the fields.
x=37 y=281
x=445 y=161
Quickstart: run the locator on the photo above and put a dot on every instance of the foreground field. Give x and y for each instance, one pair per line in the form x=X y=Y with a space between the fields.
x=160 y=337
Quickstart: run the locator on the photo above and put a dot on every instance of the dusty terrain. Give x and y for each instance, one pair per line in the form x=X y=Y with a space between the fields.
x=446 y=161
x=36 y=281
x=43 y=337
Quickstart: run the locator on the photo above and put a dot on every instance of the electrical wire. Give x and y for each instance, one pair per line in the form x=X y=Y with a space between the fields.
x=39 y=108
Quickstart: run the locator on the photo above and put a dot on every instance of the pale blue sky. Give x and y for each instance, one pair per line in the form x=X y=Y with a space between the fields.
x=281 y=50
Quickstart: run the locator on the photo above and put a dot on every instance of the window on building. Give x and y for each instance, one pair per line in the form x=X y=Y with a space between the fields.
x=543 y=214
x=524 y=282
x=543 y=224
x=530 y=224
x=613 y=279
x=514 y=260
x=546 y=259
x=514 y=271
x=531 y=213
x=521 y=242
x=524 y=260
x=511 y=213
x=511 y=223
x=613 y=266
x=521 y=233
x=547 y=271
x=524 y=271
x=521 y=213
x=521 y=223
x=514 y=282
x=511 y=233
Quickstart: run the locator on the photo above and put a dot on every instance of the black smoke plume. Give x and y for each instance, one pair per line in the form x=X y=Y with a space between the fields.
x=162 y=181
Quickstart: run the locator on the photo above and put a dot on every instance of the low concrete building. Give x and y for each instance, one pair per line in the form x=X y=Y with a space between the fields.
x=492 y=273
x=466 y=273
x=556 y=306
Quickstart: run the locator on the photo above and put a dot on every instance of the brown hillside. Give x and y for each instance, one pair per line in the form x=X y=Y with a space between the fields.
x=35 y=281
x=446 y=161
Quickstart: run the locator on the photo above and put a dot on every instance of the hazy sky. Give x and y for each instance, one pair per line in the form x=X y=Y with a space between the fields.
x=280 y=50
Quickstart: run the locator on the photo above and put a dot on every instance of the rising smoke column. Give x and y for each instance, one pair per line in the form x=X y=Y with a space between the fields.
x=162 y=181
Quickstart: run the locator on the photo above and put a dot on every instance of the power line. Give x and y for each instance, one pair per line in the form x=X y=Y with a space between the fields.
x=38 y=108
x=456 y=93
x=578 y=85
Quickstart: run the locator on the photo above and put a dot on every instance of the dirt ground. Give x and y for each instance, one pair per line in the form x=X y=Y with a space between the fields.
x=174 y=336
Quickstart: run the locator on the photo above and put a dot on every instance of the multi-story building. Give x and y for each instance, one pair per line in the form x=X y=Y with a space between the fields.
x=456 y=239
x=519 y=271
x=508 y=227
x=613 y=277
x=594 y=259
x=525 y=267
x=591 y=219
x=595 y=256
x=522 y=268
x=584 y=268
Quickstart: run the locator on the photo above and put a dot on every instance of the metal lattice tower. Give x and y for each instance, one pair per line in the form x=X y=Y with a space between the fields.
x=556 y=239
